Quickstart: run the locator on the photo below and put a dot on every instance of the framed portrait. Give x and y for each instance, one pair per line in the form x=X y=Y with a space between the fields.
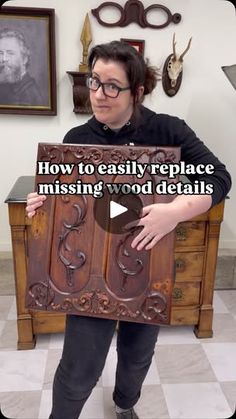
x=138 y=44
x=27 y=61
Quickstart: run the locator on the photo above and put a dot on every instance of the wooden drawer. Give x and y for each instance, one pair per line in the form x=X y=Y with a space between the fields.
x=191 y=233
x=186 y=294
x=188 y=265
x=45 y=322
x=184 y=315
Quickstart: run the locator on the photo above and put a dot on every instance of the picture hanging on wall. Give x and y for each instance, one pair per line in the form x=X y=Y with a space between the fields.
x=138 y=44
x=27 y=61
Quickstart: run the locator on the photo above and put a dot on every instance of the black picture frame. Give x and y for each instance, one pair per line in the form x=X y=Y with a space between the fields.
x=32 y=32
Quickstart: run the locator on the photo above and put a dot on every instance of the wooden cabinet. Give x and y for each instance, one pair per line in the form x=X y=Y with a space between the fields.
x=196 y=249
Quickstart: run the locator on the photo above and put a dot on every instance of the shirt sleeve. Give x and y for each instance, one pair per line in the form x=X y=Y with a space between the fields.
x=194 y=151
x=71 y=136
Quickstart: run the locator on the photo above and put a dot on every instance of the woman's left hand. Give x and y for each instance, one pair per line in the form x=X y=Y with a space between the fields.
x=157 y=221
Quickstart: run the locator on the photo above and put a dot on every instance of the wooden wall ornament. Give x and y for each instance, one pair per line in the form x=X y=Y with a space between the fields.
x=134 y=11
x=173 y=70
x=75 y=266
x=81 y=97
x=86 y=39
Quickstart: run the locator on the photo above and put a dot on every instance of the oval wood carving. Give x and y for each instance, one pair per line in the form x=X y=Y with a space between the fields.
x=134 y=11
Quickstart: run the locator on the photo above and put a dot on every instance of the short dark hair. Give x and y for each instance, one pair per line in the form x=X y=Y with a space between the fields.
x=10 y=33
x=138 y=72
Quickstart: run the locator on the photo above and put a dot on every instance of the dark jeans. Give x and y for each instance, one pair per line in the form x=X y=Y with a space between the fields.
x=87 y=342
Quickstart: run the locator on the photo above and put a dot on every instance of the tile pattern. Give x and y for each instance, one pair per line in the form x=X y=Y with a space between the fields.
x=7 y=284
x=189 y=378
x=225 y=272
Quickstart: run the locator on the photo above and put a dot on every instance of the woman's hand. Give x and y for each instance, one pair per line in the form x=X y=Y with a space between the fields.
x=157 y=221
x=34 y=201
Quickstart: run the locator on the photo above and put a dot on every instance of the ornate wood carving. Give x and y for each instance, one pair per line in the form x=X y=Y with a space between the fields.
x=134 y=11
x=77 y=267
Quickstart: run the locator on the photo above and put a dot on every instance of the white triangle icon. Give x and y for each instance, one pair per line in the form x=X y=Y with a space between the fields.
x=116 y=209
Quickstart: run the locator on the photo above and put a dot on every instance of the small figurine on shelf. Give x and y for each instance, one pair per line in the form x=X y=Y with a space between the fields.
x=86 y=39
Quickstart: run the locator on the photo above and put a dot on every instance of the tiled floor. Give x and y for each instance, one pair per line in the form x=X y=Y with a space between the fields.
x=188 y=379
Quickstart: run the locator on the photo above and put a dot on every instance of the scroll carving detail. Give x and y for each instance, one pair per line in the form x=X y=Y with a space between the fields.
x=127 y=260
x=41 y=295
x=98 y=302
x=65 y=248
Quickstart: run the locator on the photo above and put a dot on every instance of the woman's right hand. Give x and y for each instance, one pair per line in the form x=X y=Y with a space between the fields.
x=34 y=201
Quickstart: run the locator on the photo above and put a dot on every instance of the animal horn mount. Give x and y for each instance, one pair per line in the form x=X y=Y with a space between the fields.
x=173 y=70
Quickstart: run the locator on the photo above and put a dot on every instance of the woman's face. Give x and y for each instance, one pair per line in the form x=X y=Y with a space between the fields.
x=113 y=112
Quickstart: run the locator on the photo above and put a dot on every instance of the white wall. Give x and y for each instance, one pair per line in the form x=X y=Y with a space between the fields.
x=206 y=100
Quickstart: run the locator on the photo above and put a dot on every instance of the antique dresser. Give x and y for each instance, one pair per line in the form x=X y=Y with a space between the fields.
x=196 y=247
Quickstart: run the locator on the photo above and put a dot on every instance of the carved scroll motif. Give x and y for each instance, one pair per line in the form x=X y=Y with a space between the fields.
x=98 y=302
x=95 y=302
x=52 y=154
x=64 y=247
x=127 y=261
x=41 y=295
x=162 y=156
x=96 y=155
x=154 y=306
x=92 y=155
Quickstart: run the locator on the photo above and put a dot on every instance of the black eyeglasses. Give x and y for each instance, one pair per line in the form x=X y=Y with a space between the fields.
x=109 y=89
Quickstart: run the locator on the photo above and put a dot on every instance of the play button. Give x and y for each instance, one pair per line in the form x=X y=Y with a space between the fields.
x=116 y=209
x=117 y=213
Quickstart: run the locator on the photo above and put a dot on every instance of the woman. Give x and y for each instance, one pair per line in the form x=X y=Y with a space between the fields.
x=119 y=80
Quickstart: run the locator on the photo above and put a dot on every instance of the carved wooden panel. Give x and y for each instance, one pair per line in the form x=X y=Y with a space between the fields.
x=75 y=266
x=134 y=11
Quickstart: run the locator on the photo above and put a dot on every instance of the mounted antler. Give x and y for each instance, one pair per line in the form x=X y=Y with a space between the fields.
x=175 y=64
x=173 y=70
x=174 y=51
x=186 y=50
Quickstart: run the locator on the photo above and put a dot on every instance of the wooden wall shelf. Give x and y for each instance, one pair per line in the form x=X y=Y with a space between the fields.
x=80 y=92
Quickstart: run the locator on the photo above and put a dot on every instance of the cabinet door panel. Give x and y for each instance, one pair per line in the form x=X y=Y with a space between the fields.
x=72 y=241
x=75 y=266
